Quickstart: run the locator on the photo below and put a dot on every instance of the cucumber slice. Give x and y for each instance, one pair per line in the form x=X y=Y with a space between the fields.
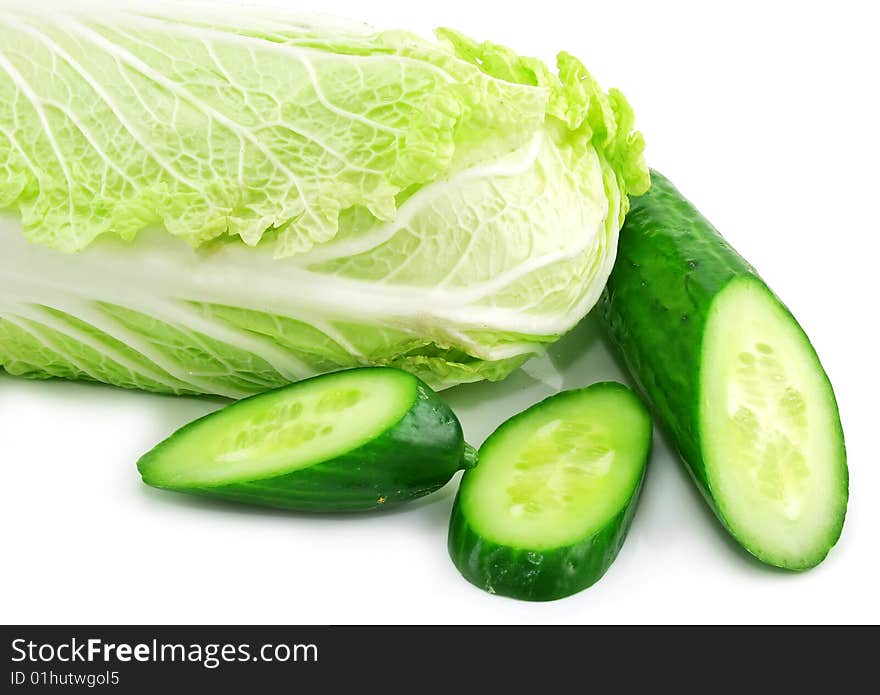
x=546 y=511
x=733 y=377
x=352 y=440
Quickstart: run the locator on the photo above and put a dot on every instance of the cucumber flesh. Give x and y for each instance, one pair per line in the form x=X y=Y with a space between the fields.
x=770 y=429
x=351 y=440
x=544 y=513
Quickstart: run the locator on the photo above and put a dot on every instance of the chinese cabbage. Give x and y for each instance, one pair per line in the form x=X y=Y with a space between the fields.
x=198 y=204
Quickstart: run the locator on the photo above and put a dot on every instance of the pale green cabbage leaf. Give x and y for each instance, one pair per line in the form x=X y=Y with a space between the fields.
x=224 y=204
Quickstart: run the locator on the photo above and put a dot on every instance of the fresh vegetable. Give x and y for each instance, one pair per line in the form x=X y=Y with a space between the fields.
x=224 y=201
x=352 y=440
x=733 y=377
x=546 y=511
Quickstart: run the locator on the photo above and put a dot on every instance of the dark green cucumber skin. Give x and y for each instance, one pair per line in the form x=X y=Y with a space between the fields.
x=546 y=574
x=537 y=575
x=414 y=457
x=671 y=264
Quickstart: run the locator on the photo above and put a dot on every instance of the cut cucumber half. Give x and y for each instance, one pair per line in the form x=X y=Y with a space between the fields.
x=733 y=377
x=546 y=511
x=351 y=440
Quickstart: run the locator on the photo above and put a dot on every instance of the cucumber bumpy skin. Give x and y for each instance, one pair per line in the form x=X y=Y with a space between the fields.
x=411 y=451
x=546 y=511
x=734 y=379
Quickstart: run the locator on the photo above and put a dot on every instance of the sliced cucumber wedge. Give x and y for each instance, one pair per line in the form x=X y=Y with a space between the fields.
x=547 y=509
x=733 y=377
x=352 y=440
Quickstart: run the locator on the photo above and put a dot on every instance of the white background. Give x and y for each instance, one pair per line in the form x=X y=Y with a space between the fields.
x=764 y=114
